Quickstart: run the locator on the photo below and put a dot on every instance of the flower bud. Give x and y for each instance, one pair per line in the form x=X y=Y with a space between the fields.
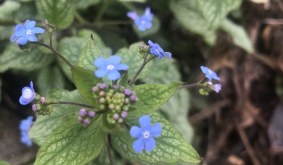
x=42 y=100
x=102 y=86
x=83 y=112
x=115 y=116
x=124 y=114
x=101 y=93
x=91 y=114
x=86 y=122
x=127 y=92
x=94 y=89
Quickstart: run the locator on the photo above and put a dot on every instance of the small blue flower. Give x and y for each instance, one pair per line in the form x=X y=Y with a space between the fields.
x=24 y=128
x=28 y=95
x=209 y=74
x=109 y=67
x=25 y=32
x=155 y=49
x=142 y=22
x=145 y=134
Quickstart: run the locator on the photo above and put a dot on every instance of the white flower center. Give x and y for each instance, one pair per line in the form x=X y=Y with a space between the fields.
x=110 y=67
x=28 y=93
x=146 y=134
x=29 y=32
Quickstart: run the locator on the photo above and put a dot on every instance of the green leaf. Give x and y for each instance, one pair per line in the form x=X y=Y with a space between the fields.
x=84 y=80
x=3 y=162
x=170 y=146
x=163 y=72
x=83 y=4
x=203 y=17
x=72 y=143
x=27 y=11
x=44 y=125
x=8 y=10
x=151 y=97
x=60 y=13
x=238 y=34
x=23 y=60
x=89 y=53
x=140 y=1
x=6 y=32
x=72 y=53
x=132 y=57
x=215 y=11
x=97 y=41
x=103 y=159
x=176 y=111
x=49 y=78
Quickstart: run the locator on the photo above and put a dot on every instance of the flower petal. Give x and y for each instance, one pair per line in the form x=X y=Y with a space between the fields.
x=138 y=145
x=32 y=38
x=135 y=131
x=22 y=40
x=21 y=32
x=114 y=59
x=29 y=24
x=150 y=43
x=144 y=121
x=100 y=62
x=113 y=75
x=123 y=67
x=167 y=54
x=13 y=38
x=156 y=130
x=132 y=14
x=23 y=101
x=100 y=73
x=150 y=144
x=19 y=26
x=31 y=85
x=38 y=30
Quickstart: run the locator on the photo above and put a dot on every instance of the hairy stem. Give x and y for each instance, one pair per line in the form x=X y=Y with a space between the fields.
x=108 y=148
x=145 y=61
x=58 y=54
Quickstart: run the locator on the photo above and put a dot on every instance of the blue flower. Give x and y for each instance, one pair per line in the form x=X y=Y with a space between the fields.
x=209 y=74
x=145 y=134
x=25 y=32
x=217 y=88
x=28 y=95
x=109 y=67
x=24 y=128
x=142 y=22
x=155 y=49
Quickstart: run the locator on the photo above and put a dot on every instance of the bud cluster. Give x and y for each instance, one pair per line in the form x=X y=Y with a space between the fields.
x=85 y=116
x=115 y=100
x=40 y=105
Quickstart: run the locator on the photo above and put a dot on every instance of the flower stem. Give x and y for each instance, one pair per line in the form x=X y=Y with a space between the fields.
x=58 y=54
x=108 y=148
x=145 y=61
x=102 y=10
x=72 y=103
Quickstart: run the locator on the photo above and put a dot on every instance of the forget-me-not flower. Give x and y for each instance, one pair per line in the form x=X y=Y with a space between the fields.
x=24 y=128
x=109 y=67
x=142 y=22
x=209 y=74
x=156 y=50
x=28 y=95
x=25 y=32
x=145 y=134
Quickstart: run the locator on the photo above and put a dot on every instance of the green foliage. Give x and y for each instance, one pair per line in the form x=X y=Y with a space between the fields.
x=89 y=53
x=49 y=78
x=170 y=146
x=176 y=109
x=84 y=80
x=133 y=58
x=3 y=162
x=60 y=13
x=238 y=35
x=151 y=97
x=72 y=143
x=141 y=1
x=205 y=17
x=24 y=60
x=72 y=53
x=8 y=10
x=44 y=125
x=83 y=4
